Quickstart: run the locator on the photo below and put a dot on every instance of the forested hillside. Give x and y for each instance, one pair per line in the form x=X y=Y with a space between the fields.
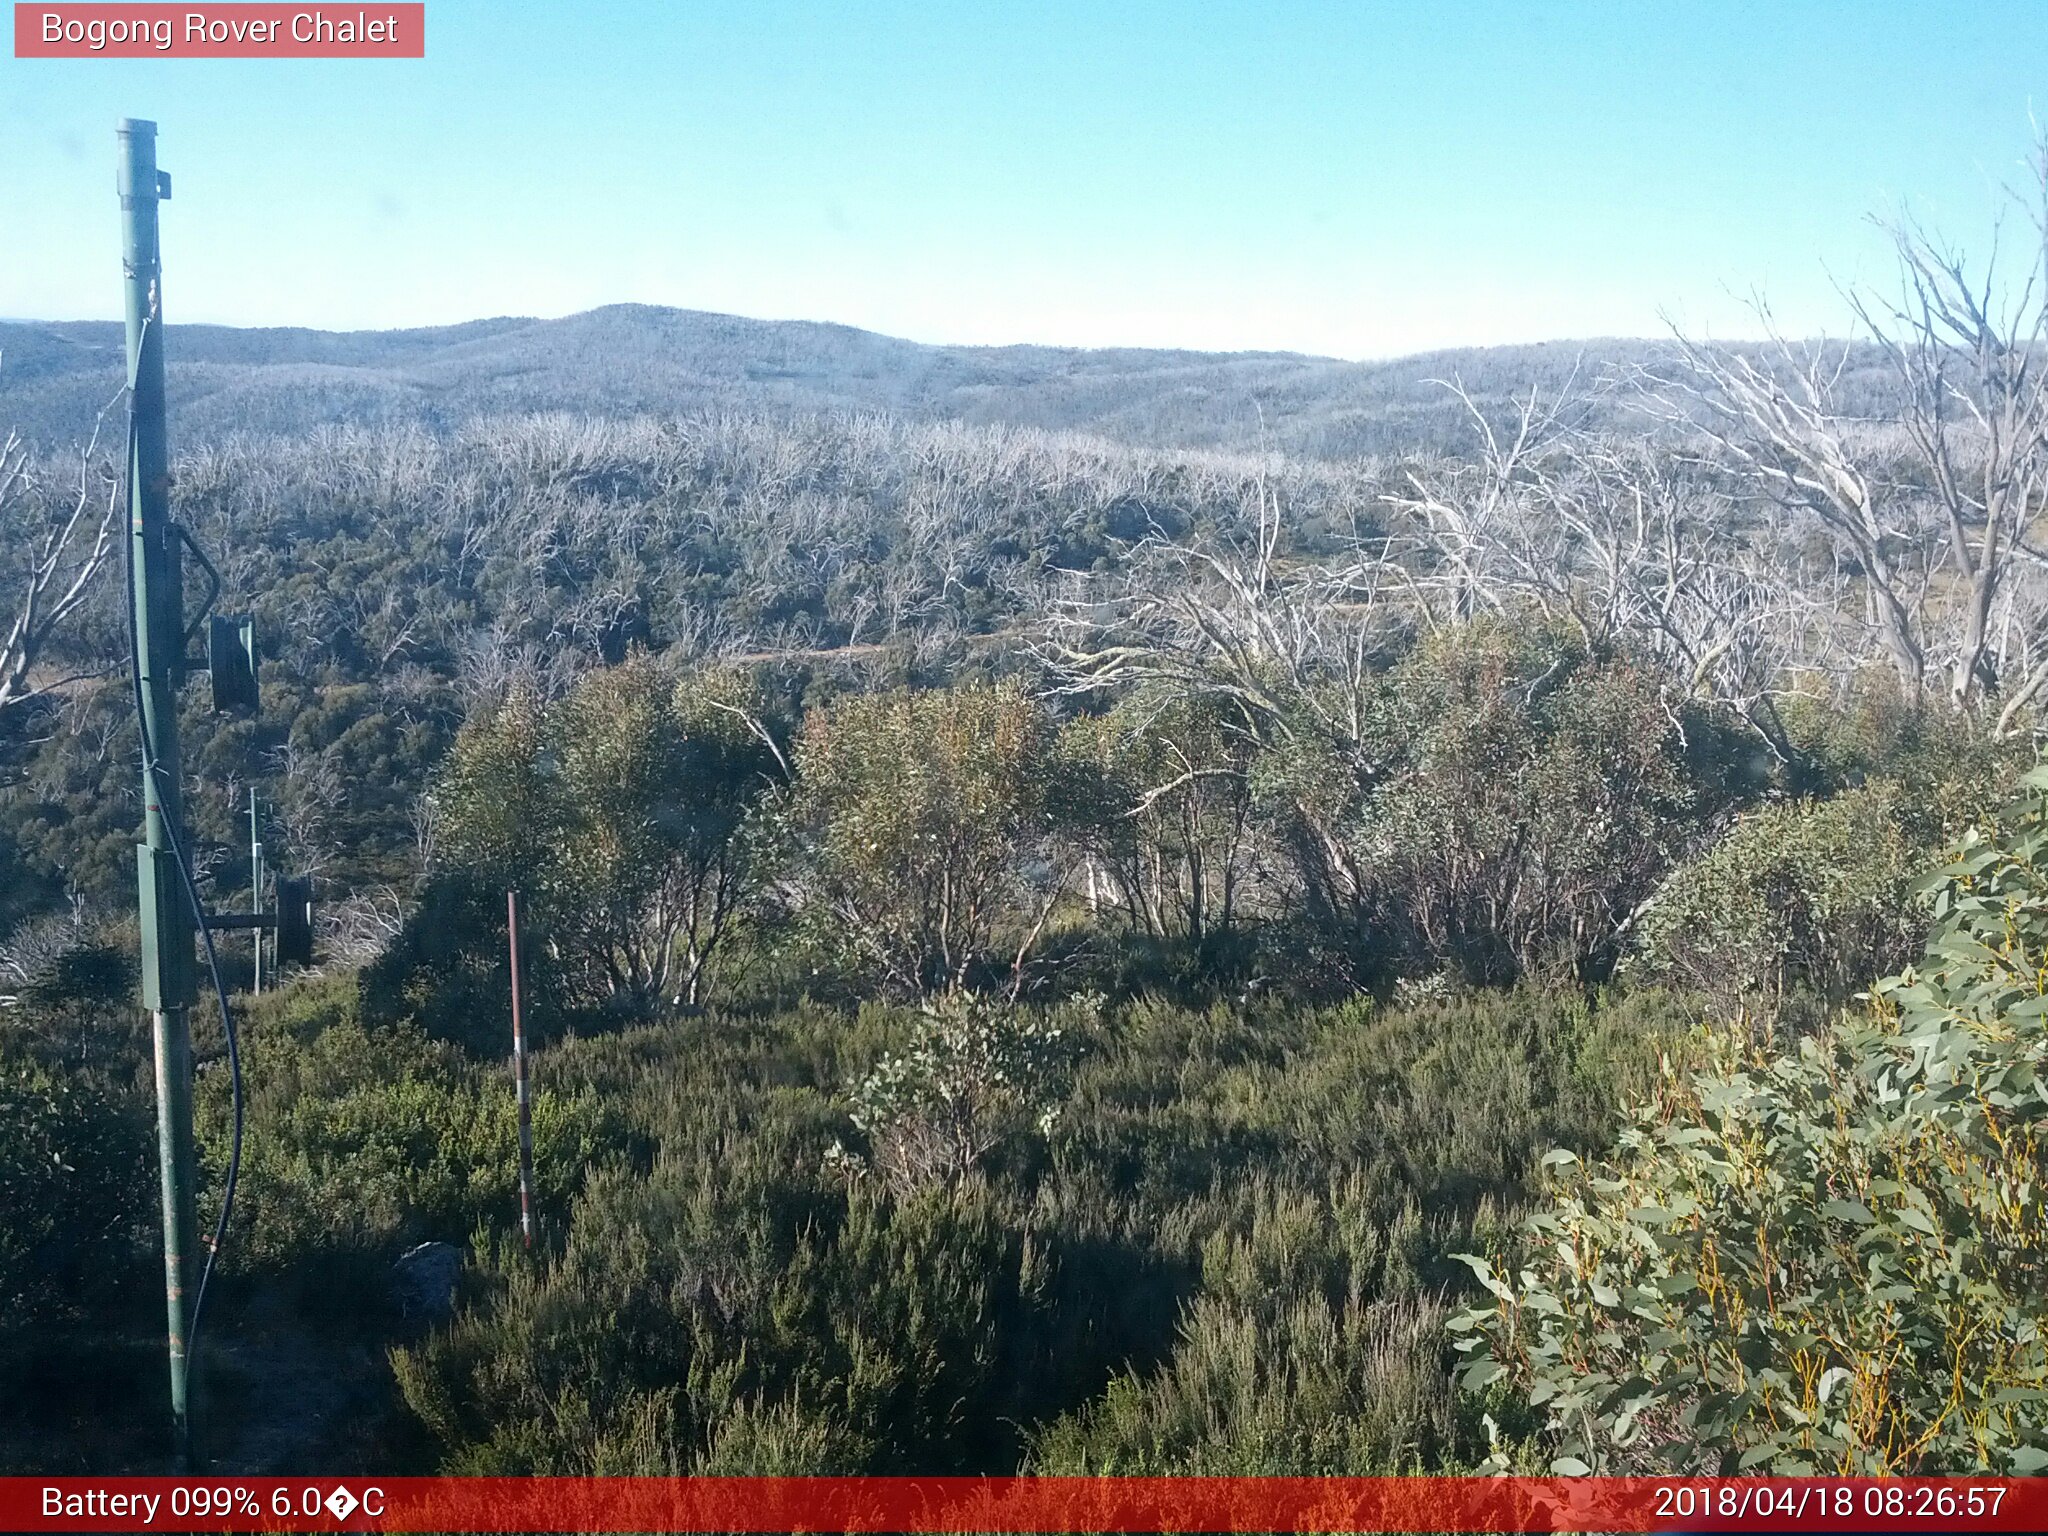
x=1118 y=950
x=632 y=359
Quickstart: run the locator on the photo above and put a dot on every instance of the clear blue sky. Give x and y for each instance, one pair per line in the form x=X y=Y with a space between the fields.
x=1353 y=178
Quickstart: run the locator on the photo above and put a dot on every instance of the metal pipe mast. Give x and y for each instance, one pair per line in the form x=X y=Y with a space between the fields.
x=157 y=593
x=256 y=888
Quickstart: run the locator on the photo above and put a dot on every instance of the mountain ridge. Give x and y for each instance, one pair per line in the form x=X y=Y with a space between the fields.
x=632 y=359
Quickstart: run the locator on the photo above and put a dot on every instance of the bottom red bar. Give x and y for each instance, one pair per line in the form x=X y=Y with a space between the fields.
x=1047 y=1504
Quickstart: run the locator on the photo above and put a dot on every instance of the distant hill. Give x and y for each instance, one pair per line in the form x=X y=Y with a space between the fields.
x=629 y=359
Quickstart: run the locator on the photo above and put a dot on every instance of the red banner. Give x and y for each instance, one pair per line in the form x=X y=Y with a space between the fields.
x=1048 y=1504
x=372 y=31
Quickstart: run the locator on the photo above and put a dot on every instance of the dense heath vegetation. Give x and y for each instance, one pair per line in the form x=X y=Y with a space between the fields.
x=1519 y=949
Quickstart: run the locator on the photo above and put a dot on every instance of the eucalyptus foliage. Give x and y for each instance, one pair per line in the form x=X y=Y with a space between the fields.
x=1812 y=896
x=923 y=837
x=617 y=811
x=1831 y=1258
x=975 y=1073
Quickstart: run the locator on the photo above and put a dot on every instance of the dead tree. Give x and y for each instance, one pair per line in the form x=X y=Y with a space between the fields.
x=1931 y=509
x=1288 y=654
x=1614 y=540
x=56 y=548
x=1968 y=352
x=1773 y=422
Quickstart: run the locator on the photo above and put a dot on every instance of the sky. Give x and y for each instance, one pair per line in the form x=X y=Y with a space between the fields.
x=1357 y=178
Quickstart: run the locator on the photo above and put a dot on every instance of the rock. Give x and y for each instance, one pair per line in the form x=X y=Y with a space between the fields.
x=423 y=1282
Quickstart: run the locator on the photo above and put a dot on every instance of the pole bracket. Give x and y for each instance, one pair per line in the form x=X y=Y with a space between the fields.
x=221 y=922
x=183 y=535
x=291 y=918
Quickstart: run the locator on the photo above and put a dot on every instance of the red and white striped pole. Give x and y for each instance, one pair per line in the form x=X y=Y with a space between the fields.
x=519 y=1077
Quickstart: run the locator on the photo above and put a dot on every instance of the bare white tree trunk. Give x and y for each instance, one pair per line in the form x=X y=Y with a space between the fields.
x=55 y=555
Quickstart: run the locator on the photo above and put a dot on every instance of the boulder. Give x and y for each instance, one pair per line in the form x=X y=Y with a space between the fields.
x=423 y=1282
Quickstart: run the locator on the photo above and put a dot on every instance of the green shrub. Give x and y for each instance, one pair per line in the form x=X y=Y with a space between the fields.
x=618 y=813
x=855 y=1332
x=1508 y=802
x=360 y=1142
x=77 y=1165
x=1950 y=773
x=1832 y=1260
x=1812 y=896
x=975 y=1073
x=922 y=841
x=1231 y=1229
x=1171 y=837
x=1352 y=1390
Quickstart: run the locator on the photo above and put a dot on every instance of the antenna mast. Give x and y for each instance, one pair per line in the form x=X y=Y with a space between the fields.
x=157 y=592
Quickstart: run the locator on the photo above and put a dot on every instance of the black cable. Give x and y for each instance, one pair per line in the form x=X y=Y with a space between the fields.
x=172 y=835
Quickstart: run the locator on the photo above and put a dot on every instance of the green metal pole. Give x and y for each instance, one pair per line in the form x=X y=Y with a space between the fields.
x=256 y=886
x=166 y=919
